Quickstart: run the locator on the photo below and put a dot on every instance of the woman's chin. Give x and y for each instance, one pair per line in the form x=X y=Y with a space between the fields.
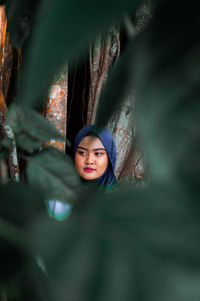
x=89 y=177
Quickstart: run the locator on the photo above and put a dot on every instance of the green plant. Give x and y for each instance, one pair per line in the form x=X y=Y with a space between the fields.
x=138 y=243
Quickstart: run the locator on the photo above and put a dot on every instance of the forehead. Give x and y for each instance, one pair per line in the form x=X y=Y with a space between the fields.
x=91 y=142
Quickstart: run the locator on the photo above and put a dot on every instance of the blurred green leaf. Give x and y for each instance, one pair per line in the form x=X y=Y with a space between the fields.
x=19 y=203
x=64 y=34
x=125 y=245
x=31 y=128
x=20 y=16
x=21 y=278
x=6 y=144
x=117 y=88
x=3 y=154
x=19 y=272
x=167 y=85
x=55 y=174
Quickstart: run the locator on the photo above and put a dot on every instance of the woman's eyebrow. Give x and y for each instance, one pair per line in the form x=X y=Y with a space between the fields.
x=82 y=147
x=95 y=149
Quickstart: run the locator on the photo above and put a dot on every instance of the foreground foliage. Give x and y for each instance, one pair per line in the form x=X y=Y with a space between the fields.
x=139 y=243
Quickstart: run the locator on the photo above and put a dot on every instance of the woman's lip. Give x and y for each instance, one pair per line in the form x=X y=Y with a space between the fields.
x=88 y=169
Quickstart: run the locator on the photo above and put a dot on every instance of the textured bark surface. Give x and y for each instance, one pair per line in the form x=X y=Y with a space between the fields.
x=121 y=127
x=6 y=58
x=103 y=54
x=130 y=163
x=144 y=14
x=7 y=65
x=13 y=164
x=102 y=57
x=56 y=108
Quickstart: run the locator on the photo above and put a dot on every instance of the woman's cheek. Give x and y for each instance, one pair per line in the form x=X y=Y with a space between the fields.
x=78 y=162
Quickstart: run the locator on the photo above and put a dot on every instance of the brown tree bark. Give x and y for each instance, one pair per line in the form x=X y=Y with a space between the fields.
x=56 y=108
x=103 y=55
x=6 y=58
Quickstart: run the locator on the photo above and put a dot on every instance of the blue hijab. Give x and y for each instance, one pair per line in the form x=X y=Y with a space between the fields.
x=108 y=178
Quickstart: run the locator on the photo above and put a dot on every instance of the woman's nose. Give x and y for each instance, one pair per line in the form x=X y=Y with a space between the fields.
x=90 y=159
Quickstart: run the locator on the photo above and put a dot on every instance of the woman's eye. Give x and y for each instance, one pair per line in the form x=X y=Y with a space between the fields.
x=99 y=154
x=82 y=153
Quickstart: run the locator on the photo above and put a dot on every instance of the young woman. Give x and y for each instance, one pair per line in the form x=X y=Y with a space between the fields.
x=95 y=157
x=95 y=160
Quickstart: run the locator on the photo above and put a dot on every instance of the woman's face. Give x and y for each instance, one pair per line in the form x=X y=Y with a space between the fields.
x=91 y=159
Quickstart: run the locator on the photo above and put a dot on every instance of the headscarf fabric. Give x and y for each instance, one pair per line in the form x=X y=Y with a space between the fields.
x=108 y=178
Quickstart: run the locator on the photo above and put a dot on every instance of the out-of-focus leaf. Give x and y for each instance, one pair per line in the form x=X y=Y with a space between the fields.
x=19 y=207
x=118 y=86
x=31 y=128
x=3 y=154
x=30 y=283
x=64 y=33
x=20 y=15
x=19 y=203
x=6 y=145
x=126 y=245
x=167 y=87
x=55 y=174
x=21 y=278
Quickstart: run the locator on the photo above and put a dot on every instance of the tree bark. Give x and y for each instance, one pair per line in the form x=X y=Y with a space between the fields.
x=6 y=58
x=103 y=55
x=56 y=108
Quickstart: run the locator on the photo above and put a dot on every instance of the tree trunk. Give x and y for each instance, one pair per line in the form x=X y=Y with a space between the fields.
x=6 y=60
x=56 y=108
